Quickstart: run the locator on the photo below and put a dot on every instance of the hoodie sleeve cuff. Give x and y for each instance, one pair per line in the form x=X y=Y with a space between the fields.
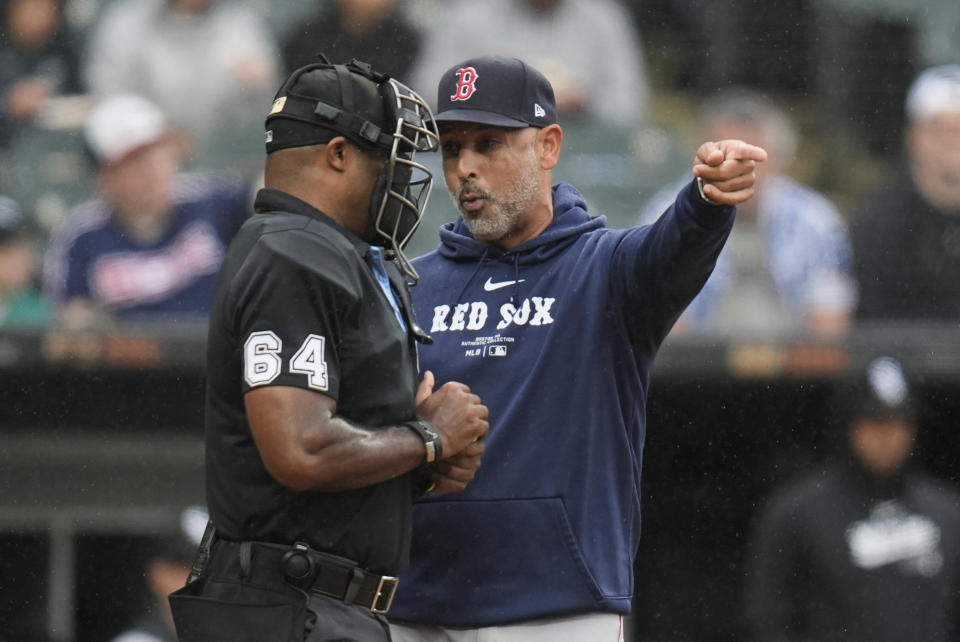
x=704 y=212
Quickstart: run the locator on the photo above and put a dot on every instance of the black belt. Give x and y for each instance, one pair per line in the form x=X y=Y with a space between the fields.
x=317 y=572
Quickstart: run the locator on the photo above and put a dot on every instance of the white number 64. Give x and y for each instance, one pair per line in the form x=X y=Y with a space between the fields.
x=262 y=363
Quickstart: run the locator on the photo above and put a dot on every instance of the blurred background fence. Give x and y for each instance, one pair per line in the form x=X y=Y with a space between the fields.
x=102 y=448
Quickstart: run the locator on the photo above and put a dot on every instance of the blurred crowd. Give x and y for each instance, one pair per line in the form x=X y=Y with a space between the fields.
x=130 y=139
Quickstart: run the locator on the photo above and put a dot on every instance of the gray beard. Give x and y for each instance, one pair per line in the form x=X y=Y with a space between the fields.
x=506 y=215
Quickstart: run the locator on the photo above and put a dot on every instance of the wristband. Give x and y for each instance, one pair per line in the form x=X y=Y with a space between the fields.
x=706 y=199
x=433 y=446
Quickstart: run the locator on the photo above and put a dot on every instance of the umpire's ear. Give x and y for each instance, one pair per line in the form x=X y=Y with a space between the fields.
x=337 y=153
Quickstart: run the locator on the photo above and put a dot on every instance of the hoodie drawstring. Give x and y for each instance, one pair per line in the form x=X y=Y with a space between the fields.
x=483 y=257
x=516 y=280
x=479 y=264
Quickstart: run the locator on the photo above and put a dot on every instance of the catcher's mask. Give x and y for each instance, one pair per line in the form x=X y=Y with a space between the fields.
x=377 y=113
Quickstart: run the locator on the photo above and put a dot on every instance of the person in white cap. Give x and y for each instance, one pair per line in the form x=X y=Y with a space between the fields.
x=906 y=233
x=149 y=244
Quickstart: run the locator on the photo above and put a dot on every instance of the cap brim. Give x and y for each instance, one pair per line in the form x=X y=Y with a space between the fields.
x=116 y=156
x=479 y=116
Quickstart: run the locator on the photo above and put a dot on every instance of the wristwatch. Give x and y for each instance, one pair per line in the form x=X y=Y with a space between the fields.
x=431 y=440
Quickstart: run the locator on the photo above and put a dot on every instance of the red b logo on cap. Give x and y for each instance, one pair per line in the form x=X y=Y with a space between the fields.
x=466 y=79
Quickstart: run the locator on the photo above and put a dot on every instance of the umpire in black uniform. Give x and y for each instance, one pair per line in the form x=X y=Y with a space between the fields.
x=318 y=435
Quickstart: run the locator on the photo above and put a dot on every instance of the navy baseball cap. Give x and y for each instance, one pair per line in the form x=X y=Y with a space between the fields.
x=493 y=90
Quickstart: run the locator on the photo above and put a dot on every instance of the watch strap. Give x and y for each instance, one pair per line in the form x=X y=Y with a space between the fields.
x=431 y=439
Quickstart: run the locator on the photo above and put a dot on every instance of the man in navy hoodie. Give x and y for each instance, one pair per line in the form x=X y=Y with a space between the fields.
x=554 y=320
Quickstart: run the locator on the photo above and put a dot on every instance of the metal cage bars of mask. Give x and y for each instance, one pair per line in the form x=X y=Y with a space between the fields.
x=407 y=183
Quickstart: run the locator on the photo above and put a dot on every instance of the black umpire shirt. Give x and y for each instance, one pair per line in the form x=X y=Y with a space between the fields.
x=297 y=304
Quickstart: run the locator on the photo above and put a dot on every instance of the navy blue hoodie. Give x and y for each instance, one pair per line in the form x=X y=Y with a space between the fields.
x=557 y=336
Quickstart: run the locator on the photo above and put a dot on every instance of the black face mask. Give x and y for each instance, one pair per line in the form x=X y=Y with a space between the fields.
x=404 y=185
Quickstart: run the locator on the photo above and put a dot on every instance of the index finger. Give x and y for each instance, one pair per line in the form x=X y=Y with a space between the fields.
x=740 y=150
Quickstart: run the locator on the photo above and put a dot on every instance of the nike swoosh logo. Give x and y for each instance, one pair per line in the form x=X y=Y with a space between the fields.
x=490 y=286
